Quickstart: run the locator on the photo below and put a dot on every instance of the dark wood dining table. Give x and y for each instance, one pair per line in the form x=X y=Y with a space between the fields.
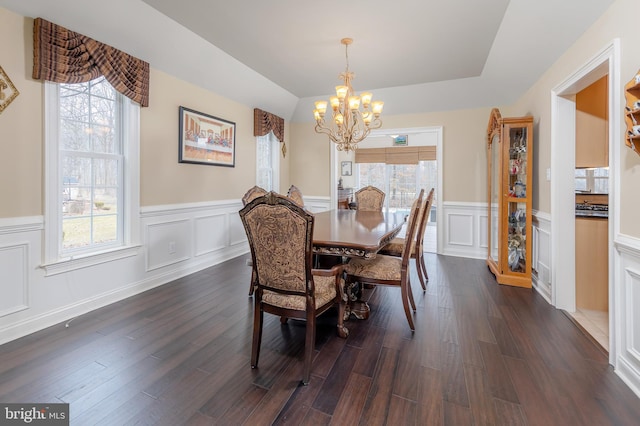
x=353 y=233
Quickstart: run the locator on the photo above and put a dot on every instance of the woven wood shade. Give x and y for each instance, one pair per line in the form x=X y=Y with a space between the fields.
x=397 y=155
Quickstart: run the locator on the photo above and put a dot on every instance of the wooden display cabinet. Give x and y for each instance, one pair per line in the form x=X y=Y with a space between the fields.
x=510 y=158
x=632 y=112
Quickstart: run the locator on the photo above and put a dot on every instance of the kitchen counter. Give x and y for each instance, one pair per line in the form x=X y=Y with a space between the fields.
x=592 y=214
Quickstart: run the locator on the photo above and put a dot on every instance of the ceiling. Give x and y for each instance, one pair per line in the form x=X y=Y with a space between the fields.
x=417 y=56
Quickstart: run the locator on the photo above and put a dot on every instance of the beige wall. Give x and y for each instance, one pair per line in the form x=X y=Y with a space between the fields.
x=163 y=180
x=464 y=153
x=21 y=148
x=620 y=21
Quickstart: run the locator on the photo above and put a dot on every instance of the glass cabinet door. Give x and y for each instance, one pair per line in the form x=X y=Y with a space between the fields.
x=517 y=206
x=494 y=198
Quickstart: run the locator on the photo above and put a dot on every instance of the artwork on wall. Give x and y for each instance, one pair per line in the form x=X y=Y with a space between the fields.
x=346 y=168
x=401 y=140
x=8 y=91
x=205 y=139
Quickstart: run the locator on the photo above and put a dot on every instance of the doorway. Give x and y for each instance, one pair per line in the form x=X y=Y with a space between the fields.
x=417 y=136
x=562 y=172
x=402 y=183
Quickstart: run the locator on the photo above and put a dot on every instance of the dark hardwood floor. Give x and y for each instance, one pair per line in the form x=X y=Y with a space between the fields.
x=482 y=354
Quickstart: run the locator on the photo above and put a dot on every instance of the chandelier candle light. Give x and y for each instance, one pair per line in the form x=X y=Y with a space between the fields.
x=351 y=123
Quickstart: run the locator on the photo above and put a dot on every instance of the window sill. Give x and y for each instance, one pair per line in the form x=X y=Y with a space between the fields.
x=85 y=261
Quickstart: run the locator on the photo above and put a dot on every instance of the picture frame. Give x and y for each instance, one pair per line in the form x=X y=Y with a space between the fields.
x=401 y=140
x=346 y=168
x=8 y=91
x=206 y=139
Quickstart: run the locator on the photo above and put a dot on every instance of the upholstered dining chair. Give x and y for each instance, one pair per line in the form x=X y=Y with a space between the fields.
x=390 y=270
x=251 y=194
x=280 y=234
x=369 y=198
x=296 y=195
x=394 y=248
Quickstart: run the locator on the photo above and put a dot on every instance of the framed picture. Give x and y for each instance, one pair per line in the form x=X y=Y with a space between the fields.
x=346 y=168
x=205 y=139
x=401 y=140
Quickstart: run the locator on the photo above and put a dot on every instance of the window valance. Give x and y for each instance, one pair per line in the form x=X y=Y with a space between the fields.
x=64 y=56
x=396 y=155
x=265 y=122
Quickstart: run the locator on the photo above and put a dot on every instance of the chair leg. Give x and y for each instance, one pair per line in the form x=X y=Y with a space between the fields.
x=309 y=346
x=410 y=294
x=405 y=302
x=252 y=284
x=420 y=272
x=258 y=316
x=424 y=267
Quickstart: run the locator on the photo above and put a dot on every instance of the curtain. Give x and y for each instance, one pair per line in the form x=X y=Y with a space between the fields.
x=64 y=56
x=265 y=122
x=397 y=155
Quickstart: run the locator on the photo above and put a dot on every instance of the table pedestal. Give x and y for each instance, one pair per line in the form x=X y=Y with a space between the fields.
x=355 y=305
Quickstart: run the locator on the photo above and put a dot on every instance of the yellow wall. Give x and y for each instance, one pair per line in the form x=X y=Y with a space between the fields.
x=163 y=180
x=464 y=153
x=21 y=148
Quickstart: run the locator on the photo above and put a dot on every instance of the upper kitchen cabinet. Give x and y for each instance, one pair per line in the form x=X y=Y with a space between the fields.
x=592 y=130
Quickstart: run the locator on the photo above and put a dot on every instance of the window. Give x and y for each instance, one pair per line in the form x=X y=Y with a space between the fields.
x=400 y=182
x=267 y=162
x=594 y=181
x=92 y=136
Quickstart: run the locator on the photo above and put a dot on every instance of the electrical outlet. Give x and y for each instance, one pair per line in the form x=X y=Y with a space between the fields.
x=172 y=247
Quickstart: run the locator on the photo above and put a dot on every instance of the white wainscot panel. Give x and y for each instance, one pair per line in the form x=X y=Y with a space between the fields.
x=464 y=227
x=167 y=243
x=14 y=283
x=632 y=301
x=482 y=231
x=210 y=233
x=541 y=256
x=460 y=229
x=626 y=311
x=237 y=234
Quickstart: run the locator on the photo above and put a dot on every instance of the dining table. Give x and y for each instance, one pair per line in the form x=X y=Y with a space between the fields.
x=348 y=234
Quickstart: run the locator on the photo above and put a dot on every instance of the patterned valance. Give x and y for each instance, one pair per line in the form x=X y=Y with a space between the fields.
x=64 y=56
x=265 y=122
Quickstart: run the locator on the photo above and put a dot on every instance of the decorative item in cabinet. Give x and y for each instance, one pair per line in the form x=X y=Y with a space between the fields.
x=632 y=116
x=509 y=154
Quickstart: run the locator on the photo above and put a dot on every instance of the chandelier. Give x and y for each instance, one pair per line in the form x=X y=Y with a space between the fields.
x=353 y=116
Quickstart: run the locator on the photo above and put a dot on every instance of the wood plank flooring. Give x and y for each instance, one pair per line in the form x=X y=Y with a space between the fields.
x=482 y=354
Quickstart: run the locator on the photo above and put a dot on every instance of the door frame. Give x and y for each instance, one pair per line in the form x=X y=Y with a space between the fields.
x=437 y=132
x=563 y=142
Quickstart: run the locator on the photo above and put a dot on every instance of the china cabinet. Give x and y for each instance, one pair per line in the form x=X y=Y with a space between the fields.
x=509 y=157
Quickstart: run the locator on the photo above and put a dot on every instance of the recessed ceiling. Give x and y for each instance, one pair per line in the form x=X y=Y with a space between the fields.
x=296 y=44
x=415 y=55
